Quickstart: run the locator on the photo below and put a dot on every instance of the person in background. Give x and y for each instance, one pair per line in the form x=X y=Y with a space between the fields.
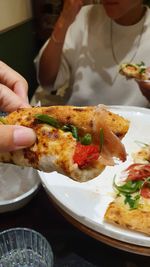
x=13 y=95
x=81 y=59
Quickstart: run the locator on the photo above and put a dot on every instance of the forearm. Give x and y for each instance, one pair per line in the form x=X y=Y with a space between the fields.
x=51 y=57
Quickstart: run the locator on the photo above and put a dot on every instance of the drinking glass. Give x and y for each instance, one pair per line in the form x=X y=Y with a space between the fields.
x=23 y=247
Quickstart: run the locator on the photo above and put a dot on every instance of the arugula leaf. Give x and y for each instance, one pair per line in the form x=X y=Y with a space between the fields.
x=132 y=201
x=129 y=187
x=142 y=70
x=141 y=64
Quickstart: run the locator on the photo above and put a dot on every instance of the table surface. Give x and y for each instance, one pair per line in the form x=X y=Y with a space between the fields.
x=71 y=247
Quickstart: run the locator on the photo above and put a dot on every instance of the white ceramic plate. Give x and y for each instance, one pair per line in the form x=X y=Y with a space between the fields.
x=87 y=202
x=17 y=186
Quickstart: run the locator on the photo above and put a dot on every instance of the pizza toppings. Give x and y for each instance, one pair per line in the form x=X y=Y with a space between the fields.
x=85 y=152
x=47 y=119
x=86 y=139
x=145 y=190
x=131 y=205
x=138 y=171
x=136 y=185
x=55 y=123
x=76 y=141
x=109 y=144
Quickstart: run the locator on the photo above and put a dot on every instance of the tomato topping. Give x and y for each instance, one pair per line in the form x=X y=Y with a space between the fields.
x=145 y=191
x=138 y=171
x=85 y=154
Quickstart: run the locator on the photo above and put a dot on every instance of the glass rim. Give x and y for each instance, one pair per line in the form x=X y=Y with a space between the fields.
x=26 y=229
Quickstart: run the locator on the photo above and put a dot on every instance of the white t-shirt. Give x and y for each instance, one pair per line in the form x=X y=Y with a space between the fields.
x=88 y=69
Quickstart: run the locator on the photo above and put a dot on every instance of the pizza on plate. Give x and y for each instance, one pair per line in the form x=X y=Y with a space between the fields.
x=136 y=71
x=78 y=142
x=131 y=206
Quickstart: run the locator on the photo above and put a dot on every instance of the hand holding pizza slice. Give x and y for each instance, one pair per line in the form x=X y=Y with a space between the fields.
x=76 y=141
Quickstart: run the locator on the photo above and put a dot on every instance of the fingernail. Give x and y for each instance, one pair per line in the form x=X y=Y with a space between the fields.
x=23 y=136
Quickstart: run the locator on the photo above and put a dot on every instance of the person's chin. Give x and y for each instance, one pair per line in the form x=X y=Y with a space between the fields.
x=111 y=10
x=111 y=13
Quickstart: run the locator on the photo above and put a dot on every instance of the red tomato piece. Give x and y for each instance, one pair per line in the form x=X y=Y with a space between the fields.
x=85 y=154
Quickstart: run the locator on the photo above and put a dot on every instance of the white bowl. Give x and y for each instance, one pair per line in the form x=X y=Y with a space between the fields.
x=17 y=186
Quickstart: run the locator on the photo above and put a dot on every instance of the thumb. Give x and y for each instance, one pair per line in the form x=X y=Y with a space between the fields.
x=15 y=137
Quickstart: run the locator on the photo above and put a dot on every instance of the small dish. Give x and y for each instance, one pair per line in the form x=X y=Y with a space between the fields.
x=22 y=247
x=17 y=186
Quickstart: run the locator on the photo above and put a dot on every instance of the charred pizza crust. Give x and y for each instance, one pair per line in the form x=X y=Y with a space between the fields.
x=136 y=219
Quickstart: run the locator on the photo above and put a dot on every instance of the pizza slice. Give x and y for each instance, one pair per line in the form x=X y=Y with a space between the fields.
x=76 y=141
x=131 y=206
x=136 y=71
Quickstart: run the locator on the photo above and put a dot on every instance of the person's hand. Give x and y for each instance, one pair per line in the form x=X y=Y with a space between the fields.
x=14 y=137
x=145 y=86
x=15 y=88
x=70 y=9
x=13 y=95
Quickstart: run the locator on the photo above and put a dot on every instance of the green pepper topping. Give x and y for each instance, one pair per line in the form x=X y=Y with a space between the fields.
x=74 y=131
x=101 y=138
x=86 y=139
x=47 y=119
x=71 y=128
x=66 y=128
